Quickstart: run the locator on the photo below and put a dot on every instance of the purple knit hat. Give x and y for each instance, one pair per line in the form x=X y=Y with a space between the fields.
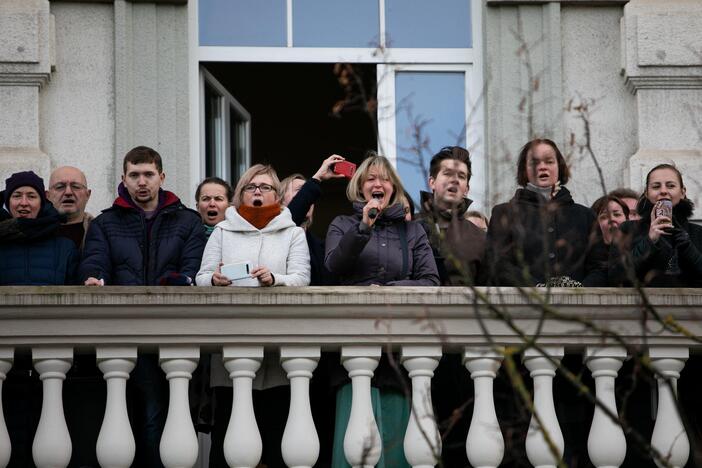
x=24 y=179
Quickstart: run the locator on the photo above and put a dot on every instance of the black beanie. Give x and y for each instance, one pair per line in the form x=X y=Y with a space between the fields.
x=24 y=179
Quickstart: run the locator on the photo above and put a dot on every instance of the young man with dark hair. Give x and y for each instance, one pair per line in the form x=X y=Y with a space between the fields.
x=147 y=237
x=457 y=243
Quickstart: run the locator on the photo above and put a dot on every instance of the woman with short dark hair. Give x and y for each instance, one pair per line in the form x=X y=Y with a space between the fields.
x=541 y=235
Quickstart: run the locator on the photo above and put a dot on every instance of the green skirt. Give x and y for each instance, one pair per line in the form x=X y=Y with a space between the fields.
x=391 y=411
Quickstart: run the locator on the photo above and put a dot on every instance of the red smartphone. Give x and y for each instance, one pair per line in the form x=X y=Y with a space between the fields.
x=346 y=168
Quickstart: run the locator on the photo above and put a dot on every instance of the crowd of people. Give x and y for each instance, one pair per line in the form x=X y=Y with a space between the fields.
x=540 y=237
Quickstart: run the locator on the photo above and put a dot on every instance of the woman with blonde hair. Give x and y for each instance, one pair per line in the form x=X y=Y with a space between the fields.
x=258 y=230
x=376 y=245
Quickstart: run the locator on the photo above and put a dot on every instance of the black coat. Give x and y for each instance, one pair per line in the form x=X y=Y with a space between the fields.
x=531 y=239
x=32 y=253
x=648 y=261
x=120 y=249
x=307 y=196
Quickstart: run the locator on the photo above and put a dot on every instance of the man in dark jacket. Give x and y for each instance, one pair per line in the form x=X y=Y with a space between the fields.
x=458 y=244
x=147 y=237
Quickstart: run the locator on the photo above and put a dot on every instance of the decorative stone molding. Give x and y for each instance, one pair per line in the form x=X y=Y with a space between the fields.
x=661 y=44
x=27 y=42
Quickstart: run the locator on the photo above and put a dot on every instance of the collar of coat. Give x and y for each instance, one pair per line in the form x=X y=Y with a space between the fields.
x=389 y=215
x=428 y=207
x=563 y=197
x=681 y=212
x=124 y=200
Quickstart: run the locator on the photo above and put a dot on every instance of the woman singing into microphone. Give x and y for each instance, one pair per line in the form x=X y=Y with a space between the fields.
x=376 y=245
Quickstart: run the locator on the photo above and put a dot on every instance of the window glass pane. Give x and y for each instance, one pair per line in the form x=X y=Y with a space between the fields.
x=213 y=131
x=335 y=23
x=428 y=23
x=238 y=146
x=242 y=23
x=430 y=114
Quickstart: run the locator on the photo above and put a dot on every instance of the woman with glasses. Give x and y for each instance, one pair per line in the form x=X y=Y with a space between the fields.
x=259 y=231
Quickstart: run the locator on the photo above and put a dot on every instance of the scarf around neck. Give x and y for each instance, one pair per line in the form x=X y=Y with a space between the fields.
x=260 y=216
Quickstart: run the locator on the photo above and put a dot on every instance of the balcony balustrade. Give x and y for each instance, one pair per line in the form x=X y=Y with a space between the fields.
x=179 y=323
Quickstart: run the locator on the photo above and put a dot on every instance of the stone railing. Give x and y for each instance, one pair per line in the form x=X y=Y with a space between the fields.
x=361 y=323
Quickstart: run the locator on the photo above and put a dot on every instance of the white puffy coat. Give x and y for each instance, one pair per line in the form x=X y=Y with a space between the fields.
x=280 y=246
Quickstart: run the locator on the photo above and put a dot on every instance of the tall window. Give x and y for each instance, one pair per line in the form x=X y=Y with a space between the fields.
x=427 y=53
x=225 y=130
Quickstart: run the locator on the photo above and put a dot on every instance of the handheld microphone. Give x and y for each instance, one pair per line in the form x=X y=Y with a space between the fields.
x=373 y=212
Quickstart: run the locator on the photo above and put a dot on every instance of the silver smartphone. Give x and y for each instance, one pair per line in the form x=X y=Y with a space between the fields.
x=236 y=271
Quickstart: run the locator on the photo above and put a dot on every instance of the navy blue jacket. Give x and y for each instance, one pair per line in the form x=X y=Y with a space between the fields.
x=121 y=249
x=38 y=258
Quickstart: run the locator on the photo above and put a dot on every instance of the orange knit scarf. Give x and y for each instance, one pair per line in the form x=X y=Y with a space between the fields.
x=260 y=216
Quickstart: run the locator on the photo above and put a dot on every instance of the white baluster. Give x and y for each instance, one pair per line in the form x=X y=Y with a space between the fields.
x=52 y=443
x=300 y=444
x=6 y=358
x=485 y=446
x=543 y=370
x=178 y=445
x=362 y=442
x=422 y=440
x=115 y=445
x=606 y=443
x=669 y=436
x=242 y=443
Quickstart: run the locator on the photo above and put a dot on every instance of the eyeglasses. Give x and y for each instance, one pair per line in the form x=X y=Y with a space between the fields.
x=264 y=188
x=75 y=186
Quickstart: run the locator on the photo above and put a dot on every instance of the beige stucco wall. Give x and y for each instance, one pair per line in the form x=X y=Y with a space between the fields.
x=591 y=74
x=573 y=56
x=77 y=107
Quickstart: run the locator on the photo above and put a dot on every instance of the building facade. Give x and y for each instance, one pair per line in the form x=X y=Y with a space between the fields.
x=617 y=85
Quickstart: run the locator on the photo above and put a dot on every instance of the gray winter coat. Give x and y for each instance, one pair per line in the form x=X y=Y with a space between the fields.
x=375 y=256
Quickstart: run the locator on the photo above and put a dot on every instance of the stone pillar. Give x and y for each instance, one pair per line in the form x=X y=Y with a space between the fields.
x=26 y=60
x=662 y=67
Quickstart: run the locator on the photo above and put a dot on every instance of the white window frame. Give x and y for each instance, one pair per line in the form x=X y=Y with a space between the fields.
x=227 y=105
x=387 y=122
x=436 y=59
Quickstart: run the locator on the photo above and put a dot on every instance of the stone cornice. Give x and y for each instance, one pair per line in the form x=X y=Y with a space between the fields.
x=24 y=79
x=562 y=2
x=634 y=83
x=452 y=317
